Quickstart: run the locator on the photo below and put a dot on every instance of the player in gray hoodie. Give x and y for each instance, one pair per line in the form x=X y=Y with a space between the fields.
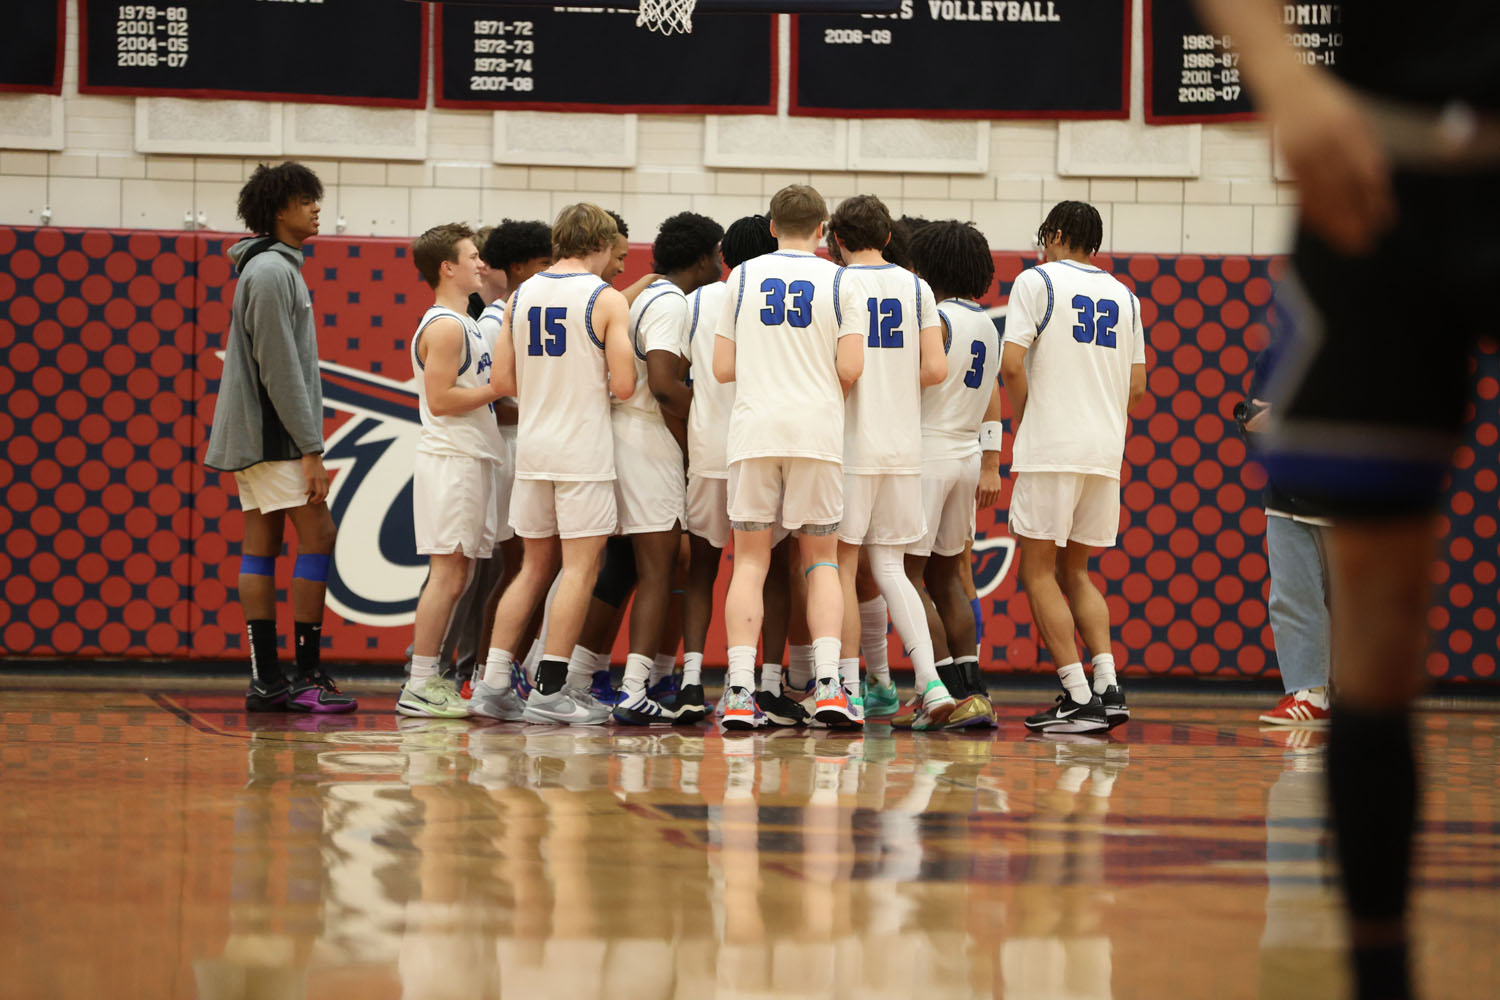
x=268 y=431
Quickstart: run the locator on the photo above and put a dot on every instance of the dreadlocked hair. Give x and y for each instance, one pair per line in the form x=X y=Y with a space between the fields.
x=746 y=239
x=514 y=242
x=271 y=189
x=954 y=258
x=898 y=250
x=683 y=240
x=1077 y=223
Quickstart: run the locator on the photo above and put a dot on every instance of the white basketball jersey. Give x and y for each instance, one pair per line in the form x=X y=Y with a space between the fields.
x=708 y=419
x=953 y=409
x=883 y=415
x=1082 y=332
x=659 y=320
x=474 y=434
x=563 y=431
x=491 y=321
x=784 y=312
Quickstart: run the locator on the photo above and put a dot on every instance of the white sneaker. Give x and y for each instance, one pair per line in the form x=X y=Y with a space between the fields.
x=566 y=707
x=498 y=702
x=434 y=698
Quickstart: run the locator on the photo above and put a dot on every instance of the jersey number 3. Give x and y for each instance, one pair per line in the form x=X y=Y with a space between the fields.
x=557 y=334
x=797 y=312
x=1097 y=329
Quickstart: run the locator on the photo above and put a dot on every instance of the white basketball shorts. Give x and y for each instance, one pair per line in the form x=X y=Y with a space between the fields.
x=650 y=481
x=272 y=486
x=708 y=509
x=541 y=508
x=453 y=505
x=1066 y=507
x=948 y=486
x=802 y=494
x=882 y=510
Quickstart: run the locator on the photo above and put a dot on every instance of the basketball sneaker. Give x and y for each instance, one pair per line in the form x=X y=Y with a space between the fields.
x=433 y=698
x=1115 y=709
x=664 y=692
x=780 y=710
x=495 y=703
x=640 y=709
x=936 y=707
x=907 y=713
x=1068 y=716
x=738 y=710
x=267 y=696
x=880 y=700
x=809 y=703
x=316 y=692
x=835 y=707
x=604 y=690
x=691 y=706
x=565 y=708
x=1308 y=707
x=518 y=682
x=972 y=712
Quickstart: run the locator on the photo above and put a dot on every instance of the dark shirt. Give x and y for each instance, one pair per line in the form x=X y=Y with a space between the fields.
x=1430 y=53
x=476 y=305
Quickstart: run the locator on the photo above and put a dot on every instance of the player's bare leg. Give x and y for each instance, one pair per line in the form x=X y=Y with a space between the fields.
x=944 y=578
x=518 y=605
x=257 y=590
x=825 y=623
x=1075 y=711
x=1379 y=573
x=799 y=656
x=312 y=690
x=781 y=708
x=744 y=610
x=1092 y=616
x=655 y=563
x=425 y=692
x=697 y=613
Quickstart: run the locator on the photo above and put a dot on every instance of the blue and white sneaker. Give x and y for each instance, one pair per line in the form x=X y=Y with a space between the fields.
x=518 y=682
x=603 y=691
x=665 y=691
x=738 y=710
x=640 y=709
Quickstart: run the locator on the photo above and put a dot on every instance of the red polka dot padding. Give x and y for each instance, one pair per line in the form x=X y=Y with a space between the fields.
x=118 y=542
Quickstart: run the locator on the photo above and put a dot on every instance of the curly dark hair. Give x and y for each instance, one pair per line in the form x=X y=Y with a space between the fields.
x=271 y=189
x=954 y=258
x=746 y=239
x=898 y=250
x=619 y=223
x=1076 y=222
x=514 y=242
x=862 y=223
x=683 y=240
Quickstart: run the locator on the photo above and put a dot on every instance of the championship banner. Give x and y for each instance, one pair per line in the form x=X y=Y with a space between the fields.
x=118 y=542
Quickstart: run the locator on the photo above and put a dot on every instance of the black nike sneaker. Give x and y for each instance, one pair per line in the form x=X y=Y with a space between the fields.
x=268 y=696
x=781 y=710
x=691 y=708
x=1068 y=716
x=1115 y=709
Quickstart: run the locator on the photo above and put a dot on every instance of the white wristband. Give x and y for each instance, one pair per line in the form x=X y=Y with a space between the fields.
x=990 y=435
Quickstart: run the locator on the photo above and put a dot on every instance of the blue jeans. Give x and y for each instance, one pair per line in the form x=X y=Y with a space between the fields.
x=1299 y=601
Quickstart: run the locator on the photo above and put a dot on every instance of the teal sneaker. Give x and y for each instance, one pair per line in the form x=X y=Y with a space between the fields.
x=935 y=707
x=881 y=700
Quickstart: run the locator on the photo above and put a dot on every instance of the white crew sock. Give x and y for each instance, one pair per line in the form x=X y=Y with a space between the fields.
x=637 y=673
x=1075 y=683
x=1104 y=672
x=497 y=667
x=661 y=667
x=873 y=615
x=422 y=667
x=692 y=668
x=770 y=678
x=826 y=657
x=581 y=669
x=849 y=672
x=799 y=667
x=741 y=672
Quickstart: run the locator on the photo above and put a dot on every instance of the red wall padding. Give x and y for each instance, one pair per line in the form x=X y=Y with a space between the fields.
x=119 y=543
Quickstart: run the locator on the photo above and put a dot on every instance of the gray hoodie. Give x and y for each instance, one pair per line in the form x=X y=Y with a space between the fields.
x=270 y=404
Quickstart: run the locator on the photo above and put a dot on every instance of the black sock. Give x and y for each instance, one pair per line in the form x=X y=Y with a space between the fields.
x=968 y=669
x=1372 y=789
x=551 y=675
x=264 y=667
x=952 y=679
x=308 y=637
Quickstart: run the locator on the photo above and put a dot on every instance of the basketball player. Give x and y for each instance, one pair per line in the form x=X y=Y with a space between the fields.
x=961 y=436
x=454 y=475
x=707 y=489
x=564 y=348
x=896 y=313
x=779 y=339
x=1394 y=142
x=1074 y=363
x=650 y=432
x=268 y=431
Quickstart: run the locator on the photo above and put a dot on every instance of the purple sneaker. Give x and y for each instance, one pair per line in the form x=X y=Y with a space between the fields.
x=518 y=682
x=318 y=693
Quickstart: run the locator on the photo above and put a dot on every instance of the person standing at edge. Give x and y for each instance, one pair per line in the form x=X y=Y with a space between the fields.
x=268 y=431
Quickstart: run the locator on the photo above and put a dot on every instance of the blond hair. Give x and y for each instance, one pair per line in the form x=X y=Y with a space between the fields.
x=582 y=229
x=797 y=210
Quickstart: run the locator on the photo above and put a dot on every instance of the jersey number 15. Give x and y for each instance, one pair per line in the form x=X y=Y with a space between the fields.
x=557 y=334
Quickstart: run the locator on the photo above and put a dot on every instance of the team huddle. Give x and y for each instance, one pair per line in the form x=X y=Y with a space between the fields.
x=583 y=448
x=834 y=420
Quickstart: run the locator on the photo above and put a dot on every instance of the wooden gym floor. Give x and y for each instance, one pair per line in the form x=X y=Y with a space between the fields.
x=160 y=844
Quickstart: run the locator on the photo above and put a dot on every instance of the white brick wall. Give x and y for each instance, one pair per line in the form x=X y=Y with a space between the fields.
x=1235 y=205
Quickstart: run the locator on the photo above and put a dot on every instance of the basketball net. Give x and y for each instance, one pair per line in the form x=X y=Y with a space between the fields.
x=666 y=16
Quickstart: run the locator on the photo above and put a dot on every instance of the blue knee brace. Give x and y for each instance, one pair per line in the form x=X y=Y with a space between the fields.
x=257 y=565
x=311 y=566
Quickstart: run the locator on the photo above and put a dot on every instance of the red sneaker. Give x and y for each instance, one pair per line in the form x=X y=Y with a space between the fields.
x=1308 y=707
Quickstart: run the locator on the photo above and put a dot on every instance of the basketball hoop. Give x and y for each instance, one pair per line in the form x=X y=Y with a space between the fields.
x=666 y=16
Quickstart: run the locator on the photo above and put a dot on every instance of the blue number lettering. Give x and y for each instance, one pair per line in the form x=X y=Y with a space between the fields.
x=885 y=323
x=800 y=313
x=557 y=333
x=1098 y=329
x=975 y=374
x=774 y=312
x=797 y=313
